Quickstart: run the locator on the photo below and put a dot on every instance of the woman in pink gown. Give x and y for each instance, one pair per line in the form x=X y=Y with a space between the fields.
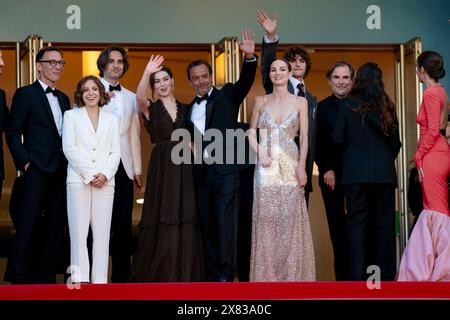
x=427 y=254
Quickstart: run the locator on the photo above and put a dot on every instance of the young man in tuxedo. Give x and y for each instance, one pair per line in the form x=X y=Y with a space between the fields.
x=301 y=64
x=217 y=183
x=36 y=115
x=329 y=160
x=113 y=64
x=3 y=119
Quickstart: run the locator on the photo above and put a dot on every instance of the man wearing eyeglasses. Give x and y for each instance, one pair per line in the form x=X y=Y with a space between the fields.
x=36 y=115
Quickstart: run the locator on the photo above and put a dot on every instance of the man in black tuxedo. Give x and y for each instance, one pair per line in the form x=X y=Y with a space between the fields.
x=36 y=115
x=3 y=119
x=217 y=183
x=301 y=64
x=329 y=160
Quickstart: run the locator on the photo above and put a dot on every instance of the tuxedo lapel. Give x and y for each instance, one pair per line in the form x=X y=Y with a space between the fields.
x=291 y=88
x=101 y=122
x=62 y=103
x=312 y=105
x=46 y=105
x=86 y=120
x=125 y=114
x=210 y=107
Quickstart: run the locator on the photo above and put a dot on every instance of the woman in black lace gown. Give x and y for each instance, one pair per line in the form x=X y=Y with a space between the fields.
x=169 y=246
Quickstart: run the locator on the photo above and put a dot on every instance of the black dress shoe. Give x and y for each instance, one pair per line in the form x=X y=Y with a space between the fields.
x=47 y=279
x=120 y=279
x=19 y=279
x=222 y=278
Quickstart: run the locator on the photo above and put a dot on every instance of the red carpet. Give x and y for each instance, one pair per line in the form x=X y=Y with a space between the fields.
x=230 y=291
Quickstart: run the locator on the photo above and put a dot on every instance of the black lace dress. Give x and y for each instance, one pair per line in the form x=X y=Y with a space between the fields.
x=169 y=247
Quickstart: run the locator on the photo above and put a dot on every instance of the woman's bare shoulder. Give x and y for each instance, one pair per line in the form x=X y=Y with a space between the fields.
x=299 y=102
x=259 y=102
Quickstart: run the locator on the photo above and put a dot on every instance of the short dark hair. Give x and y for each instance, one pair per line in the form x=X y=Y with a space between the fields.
x=103 y=59
x=290 y=54
x=341 y=63
x=41 y=52
x=197 y=63
x=78 y=95
x=433 y=64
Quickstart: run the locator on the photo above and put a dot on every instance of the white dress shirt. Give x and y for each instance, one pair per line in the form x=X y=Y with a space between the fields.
x=116 y=102
x=295 y=83
x=123 y=105
x=198 y=115
x=54 y=106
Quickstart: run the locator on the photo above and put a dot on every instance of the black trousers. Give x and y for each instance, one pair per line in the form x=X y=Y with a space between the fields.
x=371 y=229
x=121 y=226
x=334 y=201
x=217 y=203
x=244 y=237
x=41 y=217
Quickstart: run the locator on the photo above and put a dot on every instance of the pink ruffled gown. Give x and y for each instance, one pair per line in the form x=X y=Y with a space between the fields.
x=427 y=254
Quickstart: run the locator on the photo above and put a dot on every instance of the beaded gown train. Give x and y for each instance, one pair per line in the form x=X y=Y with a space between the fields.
x=282 y=246
x=169 y=246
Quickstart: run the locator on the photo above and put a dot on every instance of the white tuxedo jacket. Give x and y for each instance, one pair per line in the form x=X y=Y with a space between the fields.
x=129 y=128
x=90 y=152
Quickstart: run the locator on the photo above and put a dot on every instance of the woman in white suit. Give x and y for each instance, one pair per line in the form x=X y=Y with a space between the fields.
x=91 y=144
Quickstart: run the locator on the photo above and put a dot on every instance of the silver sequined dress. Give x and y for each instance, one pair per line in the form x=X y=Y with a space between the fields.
x=282 y=247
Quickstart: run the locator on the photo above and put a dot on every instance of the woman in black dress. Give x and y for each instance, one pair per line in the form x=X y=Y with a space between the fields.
x=169 y=247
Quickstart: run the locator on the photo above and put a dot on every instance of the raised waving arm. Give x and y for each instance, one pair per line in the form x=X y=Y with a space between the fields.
x=154 y=64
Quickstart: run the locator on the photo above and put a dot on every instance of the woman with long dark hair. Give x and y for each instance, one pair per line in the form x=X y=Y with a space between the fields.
x=169 y=242
x=427 y=254
x=367 y=132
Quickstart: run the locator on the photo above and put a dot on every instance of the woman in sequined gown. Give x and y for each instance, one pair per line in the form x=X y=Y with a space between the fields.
x=169 y=246
x=282 y=247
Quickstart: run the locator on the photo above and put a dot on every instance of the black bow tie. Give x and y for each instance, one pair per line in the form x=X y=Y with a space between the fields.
x=117 y=87
x=52 y=91
x=200 y=99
